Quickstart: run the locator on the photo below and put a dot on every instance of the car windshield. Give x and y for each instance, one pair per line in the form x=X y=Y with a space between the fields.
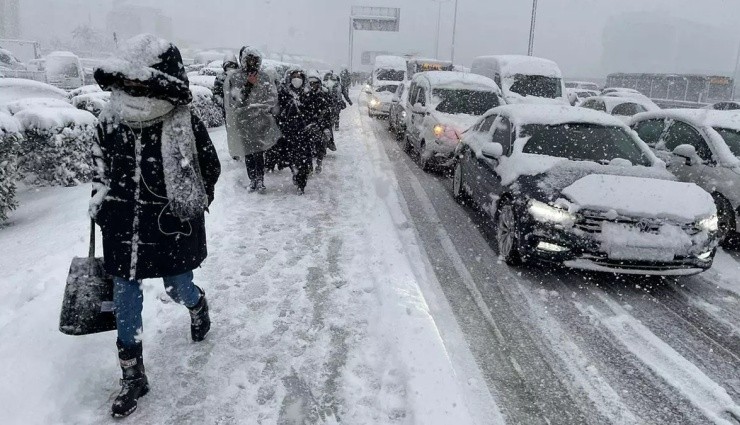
x=458 y=101
x=537 y=85
x=390 y=75
x=583 y=142
x=65 y=67
x=732 y=139
x=390 y=89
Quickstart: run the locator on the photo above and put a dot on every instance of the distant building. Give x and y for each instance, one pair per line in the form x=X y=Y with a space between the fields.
x=10 y=19
x=126 y=20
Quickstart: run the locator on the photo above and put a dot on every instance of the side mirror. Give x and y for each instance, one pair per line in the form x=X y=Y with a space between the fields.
x=688 y=153
x=492 y=150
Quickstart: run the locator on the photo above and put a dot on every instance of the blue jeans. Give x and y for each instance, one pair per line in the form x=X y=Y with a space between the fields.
x=128 y=298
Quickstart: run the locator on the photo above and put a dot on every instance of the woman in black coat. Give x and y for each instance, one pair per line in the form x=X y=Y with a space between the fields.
x=156 y=170
x=293 y=122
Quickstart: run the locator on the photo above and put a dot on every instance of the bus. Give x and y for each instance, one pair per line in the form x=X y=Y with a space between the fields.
x=676 y=90
x=415 y=65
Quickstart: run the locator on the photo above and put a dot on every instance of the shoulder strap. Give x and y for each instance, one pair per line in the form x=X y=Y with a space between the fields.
x=91 y=252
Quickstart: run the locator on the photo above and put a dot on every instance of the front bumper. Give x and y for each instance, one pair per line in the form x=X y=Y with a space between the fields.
x=584 y=251
x=443 y=152
x=381 y=108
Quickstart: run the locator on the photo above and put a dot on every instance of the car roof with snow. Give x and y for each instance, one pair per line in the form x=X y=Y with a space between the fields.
x=391 y=62
x=696 y=117
x=18 y=88
x=527 y=65
x=459 y=80
x=525 y=114
x=612 y=101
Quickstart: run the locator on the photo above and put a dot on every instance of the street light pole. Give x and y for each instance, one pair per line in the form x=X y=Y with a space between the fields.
x=351 y=42
x=439 y=21
x=454 y=33
x=530 y=50
x=734 y=75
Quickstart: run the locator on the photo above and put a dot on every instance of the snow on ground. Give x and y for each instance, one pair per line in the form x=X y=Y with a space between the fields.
x=727 y=266
x=317 y=312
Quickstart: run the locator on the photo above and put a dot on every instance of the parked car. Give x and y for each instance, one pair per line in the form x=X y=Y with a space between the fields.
x=701 y=147
x=621 y=107
x=12 y=89
x=577 y=187
x=379 y=103
x=440 y=107
x=584 y=85
x=729 y=105
x=523 y=79
x=388 y=69
x=7 y=60
x=397 y=114
x=576 y=96
x=64 y=70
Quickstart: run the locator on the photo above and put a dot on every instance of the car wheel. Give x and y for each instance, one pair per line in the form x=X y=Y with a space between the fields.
x=423 y=157
x=458 y=185
x=407 y=147
x=727 y=224
x=507 y=235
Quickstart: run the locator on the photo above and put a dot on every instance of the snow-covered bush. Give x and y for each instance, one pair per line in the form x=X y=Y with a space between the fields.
x=57 y=145
x=10 y=137
x=205 y=107
x=92 y=102
x=16 y=106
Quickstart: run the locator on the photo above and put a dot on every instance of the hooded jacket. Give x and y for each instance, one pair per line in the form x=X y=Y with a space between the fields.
x=250 y=124
x=142 y=237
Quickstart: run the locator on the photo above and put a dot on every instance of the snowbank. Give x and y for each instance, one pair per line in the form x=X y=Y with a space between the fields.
x=16 y=106
x=46 y=118
x=10 y=137
x=93 y=103
x=93 y=88
x=202 y=80
x=12 y=89
x=8 y=124
x=205 y=107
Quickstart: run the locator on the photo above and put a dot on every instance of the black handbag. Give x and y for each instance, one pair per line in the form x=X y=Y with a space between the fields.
x=88 y=297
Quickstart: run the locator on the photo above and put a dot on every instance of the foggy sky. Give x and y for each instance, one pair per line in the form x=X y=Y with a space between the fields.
x=568 y=31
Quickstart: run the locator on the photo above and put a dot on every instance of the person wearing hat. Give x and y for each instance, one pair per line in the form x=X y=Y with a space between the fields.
x=155 y=175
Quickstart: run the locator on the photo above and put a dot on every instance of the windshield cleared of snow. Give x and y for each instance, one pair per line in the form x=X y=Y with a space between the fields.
x=583 y=142
x=469 y=102
x=537 y=85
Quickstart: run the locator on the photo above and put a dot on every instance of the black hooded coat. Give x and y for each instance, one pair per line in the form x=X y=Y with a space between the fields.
x=142 y=238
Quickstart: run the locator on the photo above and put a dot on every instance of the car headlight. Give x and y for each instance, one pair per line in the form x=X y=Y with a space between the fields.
x=542 y=212
x=374 y=102
x=710 y=224
x=403 y=114
x=439 y=130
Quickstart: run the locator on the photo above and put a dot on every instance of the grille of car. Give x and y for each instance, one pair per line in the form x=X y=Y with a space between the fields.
x=590 y=222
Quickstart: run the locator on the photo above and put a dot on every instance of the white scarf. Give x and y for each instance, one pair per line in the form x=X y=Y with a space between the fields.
x=135 y=109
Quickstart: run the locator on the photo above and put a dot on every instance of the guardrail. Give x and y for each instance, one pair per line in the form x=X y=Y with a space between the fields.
x=28 y=75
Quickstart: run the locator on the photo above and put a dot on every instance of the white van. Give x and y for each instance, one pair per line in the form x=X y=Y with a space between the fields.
x=388 y=70
x=523 y=79
x=64 y=70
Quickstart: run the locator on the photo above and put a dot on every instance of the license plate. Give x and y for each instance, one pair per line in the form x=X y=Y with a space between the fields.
x=640 y=253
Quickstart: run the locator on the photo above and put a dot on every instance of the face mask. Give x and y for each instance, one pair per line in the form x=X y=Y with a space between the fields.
x=297 y=82
x=138 y=108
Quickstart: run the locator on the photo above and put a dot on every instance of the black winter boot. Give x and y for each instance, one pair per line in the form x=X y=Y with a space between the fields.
x=260 y=186
x=200 y=321
x=133 y=384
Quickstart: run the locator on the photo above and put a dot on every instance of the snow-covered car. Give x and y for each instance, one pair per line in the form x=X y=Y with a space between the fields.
x=440 y=107
x=702 y=147
x=388 y=69
x=397 y=114
x=93 y=102
x=19 y=105
x=623 y=108
x=12 y=89
x=206 y=81
x=64 y=70
x=729 y=105
x=576 y=96
x=577 y=187
x=621 y=91
x=524 y=79
x=7 y=60
x=379 y=100
x=583 y=85
x=92 y=88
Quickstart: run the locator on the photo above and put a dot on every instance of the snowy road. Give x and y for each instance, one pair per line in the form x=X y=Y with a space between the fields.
x=564 y=347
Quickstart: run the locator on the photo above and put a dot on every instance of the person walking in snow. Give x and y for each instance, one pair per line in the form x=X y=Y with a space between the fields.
x=155 y=174
x=317 y=105
x=338 y=93
x=230 y=63
x=293 y=122
x=250 y=99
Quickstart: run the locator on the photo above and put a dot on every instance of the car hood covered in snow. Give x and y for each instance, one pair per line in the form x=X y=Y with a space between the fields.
x=640 y=196
x=460 y=122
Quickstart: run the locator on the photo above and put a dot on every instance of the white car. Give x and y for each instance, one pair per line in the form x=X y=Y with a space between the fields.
x=729 y=105
x=623 y=108
x=576 y=96
x=12 y=89
x=380 y=98
x=440 y=107
x=702 y=147
x=577 y=187
x=524 y=79
x=583 y=85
